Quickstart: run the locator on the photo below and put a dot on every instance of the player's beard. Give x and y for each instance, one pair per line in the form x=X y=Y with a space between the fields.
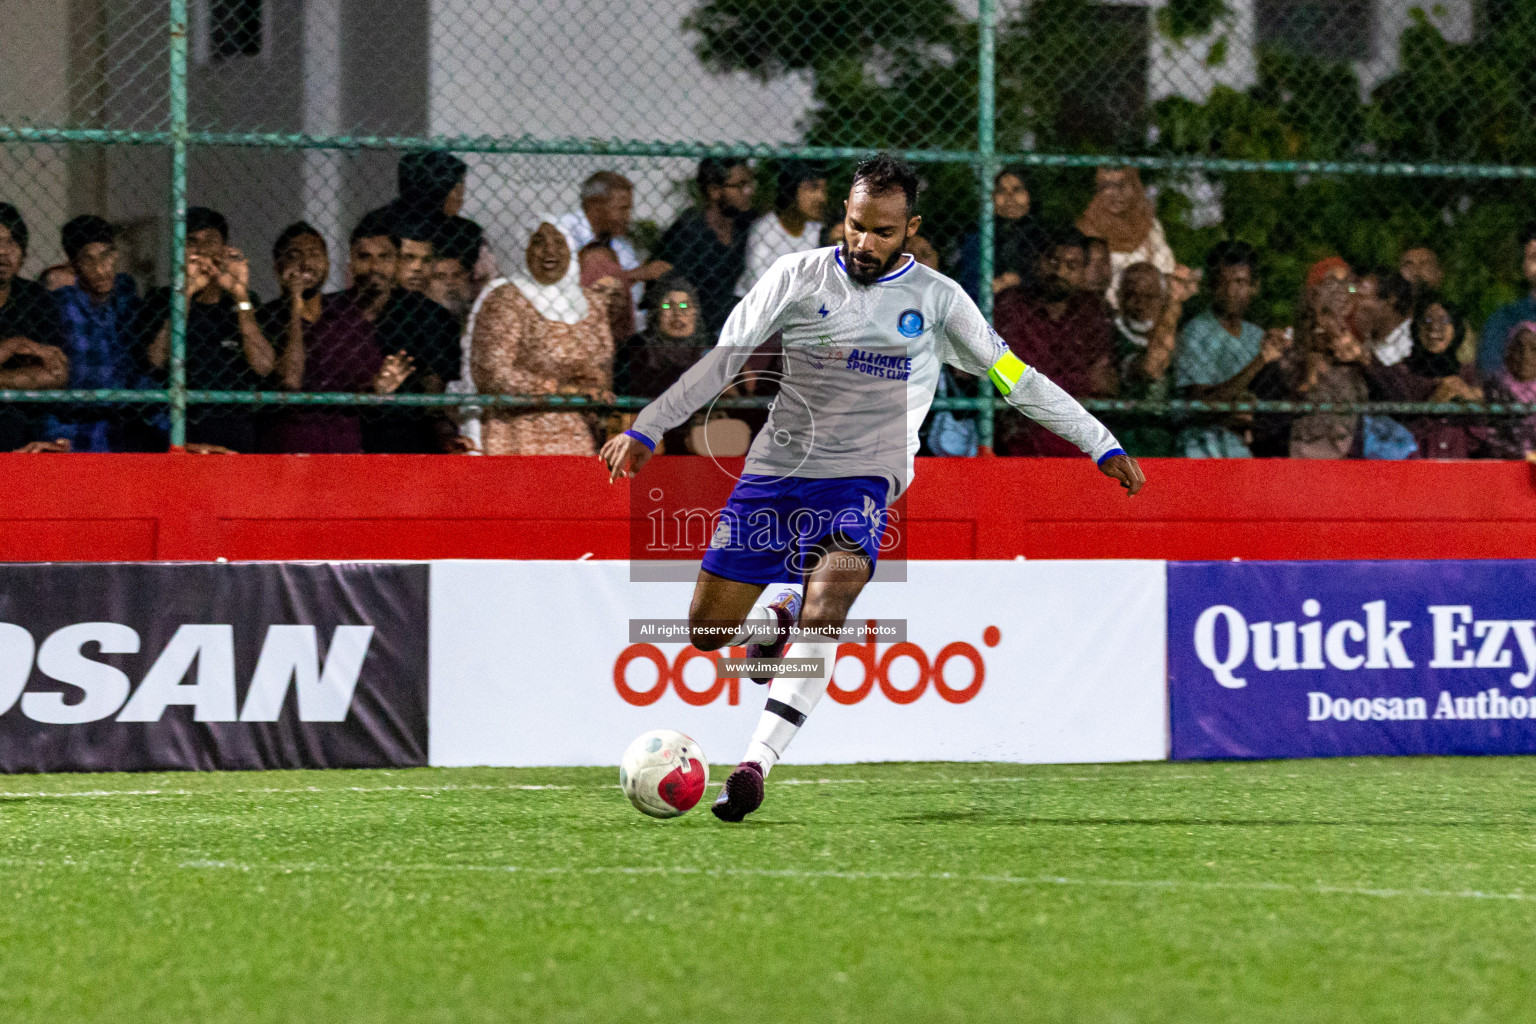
x=858 y=275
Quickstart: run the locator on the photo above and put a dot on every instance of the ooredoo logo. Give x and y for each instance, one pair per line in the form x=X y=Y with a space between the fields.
x=936 y=672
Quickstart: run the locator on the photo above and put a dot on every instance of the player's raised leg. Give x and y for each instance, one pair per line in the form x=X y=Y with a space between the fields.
x=841 y=568
x=728 y=613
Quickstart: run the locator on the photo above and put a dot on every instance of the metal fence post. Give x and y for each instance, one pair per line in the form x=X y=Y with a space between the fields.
x=178 y=119
x=986 y=169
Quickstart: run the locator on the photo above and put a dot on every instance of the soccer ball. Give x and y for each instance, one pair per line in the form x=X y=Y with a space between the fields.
x=664 y=773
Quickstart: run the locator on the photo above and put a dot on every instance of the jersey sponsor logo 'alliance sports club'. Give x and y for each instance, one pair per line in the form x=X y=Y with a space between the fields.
x=877 y=364
x=874 y=364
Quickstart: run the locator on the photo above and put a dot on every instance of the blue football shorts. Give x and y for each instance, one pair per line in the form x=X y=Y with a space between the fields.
x=768 y=529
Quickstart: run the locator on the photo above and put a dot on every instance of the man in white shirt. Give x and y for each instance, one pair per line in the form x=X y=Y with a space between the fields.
x=793 y=226
x=865 y=329
x=607 y=203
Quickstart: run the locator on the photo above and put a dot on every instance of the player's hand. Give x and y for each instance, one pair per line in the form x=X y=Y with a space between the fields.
x=1125 y=469
x=624 y=456
x=235 y=274
x=199 y=273
x=396 y=369
x=1277 y=342
x=41 y=447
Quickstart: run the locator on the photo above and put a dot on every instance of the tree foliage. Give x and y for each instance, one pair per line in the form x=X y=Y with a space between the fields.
x=902 y=74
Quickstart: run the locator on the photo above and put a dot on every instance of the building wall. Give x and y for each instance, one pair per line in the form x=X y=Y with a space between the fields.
x=1185 y=69
x=34 y=89
x=607 y=69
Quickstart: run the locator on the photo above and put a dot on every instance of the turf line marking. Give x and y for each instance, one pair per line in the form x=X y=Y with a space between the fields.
x=525 y=787
x=1318 y=889
x=297 y=790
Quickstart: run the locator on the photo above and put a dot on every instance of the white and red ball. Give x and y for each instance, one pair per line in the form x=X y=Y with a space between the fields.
x=664 y=773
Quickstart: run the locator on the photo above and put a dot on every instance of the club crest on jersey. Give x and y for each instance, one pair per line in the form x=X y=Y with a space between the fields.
x=910 y=323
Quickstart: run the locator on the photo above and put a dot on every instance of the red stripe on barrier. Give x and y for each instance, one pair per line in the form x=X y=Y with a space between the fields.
x=188 y=507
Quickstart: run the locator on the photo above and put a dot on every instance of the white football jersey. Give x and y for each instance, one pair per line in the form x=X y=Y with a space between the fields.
x=861 y=363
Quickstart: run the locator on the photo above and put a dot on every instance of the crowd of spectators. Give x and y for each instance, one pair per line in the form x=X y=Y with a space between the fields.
x=1101 y=305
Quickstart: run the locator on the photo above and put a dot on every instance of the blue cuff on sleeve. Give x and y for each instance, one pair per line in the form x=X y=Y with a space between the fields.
x=1110 y=454
x=652 y=444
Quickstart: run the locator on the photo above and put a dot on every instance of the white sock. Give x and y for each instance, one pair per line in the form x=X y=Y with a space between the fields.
x=790 y=701
x=760 y=615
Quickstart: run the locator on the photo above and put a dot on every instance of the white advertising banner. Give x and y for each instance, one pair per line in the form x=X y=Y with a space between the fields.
x=1044 y=662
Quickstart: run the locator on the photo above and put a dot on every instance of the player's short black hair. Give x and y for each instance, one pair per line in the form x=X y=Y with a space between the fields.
x=1397 y=291
x=792 y=174
x=1062 y=236
x=417 y=227
x=713 y=170
x=1230 y=253
x=12 y=220
x=459 y=238
x=83 y=231
x=425 y=178
x=293 y=231
x=1012 y=171
x=201 y=218
x=885 y=173
x=376 y=224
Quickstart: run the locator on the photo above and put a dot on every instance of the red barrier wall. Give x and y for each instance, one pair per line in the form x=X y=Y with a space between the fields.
x=186 y=507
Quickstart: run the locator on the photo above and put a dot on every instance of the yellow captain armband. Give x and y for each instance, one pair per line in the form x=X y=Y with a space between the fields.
x=1005 y=373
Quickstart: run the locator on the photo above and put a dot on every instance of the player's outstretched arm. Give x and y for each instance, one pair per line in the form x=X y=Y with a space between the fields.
x=1126 y=470
x=624 y=455
x=975 y=348
x=754 y=320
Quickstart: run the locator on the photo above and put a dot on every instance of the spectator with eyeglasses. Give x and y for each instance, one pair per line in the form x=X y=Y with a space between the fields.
x=673 y=338
x=1431 y=372
x=708 y=244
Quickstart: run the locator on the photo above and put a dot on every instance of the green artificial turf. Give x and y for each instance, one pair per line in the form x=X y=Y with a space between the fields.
x=1359 y=890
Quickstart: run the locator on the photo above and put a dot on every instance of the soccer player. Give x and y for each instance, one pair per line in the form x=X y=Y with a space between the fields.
x=865 y=329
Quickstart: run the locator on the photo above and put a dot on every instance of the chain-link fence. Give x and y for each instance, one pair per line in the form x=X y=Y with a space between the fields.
x=1332 y=195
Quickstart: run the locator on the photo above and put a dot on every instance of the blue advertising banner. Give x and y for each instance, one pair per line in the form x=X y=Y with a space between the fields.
x=1325 y=659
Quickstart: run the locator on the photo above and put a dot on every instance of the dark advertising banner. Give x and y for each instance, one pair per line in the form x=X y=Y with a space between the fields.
x=1318 y=659
x=129 y=667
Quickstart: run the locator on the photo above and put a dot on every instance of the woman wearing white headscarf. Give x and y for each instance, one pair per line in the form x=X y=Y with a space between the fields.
x=539 y=332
